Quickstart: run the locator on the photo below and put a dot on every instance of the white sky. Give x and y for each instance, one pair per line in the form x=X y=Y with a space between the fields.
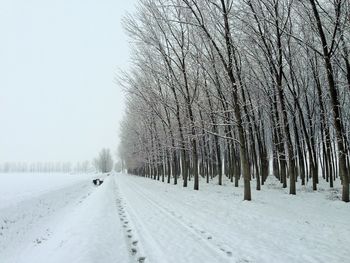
x=58 y=59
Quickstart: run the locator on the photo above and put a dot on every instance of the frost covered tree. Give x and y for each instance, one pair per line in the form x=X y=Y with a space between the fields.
x=229 y=88
x=104 y=161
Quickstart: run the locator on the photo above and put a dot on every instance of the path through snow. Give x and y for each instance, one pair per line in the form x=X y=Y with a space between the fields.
x=134 y=219
x=173 y=224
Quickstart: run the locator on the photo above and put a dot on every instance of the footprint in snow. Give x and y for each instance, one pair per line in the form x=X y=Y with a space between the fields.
x=242 y=260
x=37 y=241
x=141 y=259
x=134 y=243
x=133 y=251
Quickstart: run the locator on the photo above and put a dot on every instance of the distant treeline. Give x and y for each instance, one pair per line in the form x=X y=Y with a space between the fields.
x=46 y=167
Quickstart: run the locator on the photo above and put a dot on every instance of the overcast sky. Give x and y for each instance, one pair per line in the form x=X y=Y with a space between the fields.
x=58 y=59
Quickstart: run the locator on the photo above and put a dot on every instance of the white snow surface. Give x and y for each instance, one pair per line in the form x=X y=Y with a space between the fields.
x=135 y=219
x=17 y=187
x=71 y=221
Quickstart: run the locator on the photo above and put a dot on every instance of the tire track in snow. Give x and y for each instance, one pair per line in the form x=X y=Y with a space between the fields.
x=207 y=237
x=165 y=216
x=220 y=244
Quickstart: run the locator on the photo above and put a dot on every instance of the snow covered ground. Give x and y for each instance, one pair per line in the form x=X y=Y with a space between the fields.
x=17 y=187
x=214 y=224
x=59 y=218
x=131 y=219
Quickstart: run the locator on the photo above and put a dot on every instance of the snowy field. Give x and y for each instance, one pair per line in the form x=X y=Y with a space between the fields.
x=57 y=218
x=17 y=187
x=65 y=218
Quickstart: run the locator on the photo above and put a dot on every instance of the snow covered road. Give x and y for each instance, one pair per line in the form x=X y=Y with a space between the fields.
x=173 y=224
x=134 y=219
x=164 y=234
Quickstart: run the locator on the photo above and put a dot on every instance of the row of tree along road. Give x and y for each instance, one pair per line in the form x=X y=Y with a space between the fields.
x=239 y=89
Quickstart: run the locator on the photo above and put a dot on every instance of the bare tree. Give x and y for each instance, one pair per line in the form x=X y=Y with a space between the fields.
x=104 y=161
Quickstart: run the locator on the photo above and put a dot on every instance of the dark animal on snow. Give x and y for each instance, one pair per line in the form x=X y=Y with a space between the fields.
x=97 y=181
